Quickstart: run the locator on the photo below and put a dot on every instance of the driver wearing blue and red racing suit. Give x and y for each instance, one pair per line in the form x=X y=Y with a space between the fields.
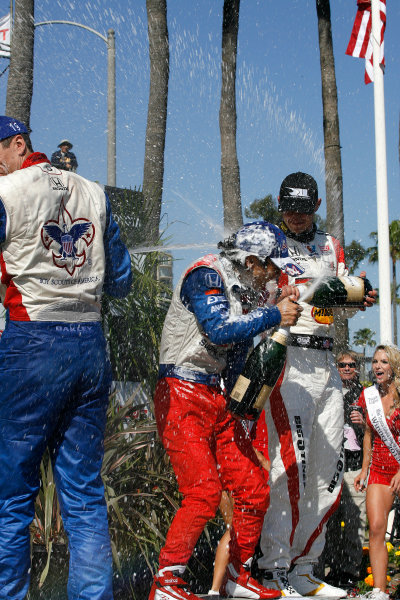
x=206 y=337
x=60 y=247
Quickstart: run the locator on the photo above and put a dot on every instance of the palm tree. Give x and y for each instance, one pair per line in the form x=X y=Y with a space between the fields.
x=364 y=337
x=264 y=208
x=153 y=172
x=354 y=253
x=230 y=176
x=20 y=76
x=394 y=251
x=333 y=162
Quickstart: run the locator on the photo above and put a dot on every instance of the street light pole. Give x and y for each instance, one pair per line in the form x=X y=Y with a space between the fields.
x=111 y=111
x=111 y=104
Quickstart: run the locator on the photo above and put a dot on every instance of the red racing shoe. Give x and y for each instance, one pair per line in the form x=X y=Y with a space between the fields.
x=242 y=585
x=169 y=586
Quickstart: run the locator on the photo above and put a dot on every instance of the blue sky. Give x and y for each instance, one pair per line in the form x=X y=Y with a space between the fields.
x=278 y=100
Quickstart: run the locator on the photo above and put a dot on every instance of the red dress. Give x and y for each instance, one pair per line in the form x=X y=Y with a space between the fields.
x=383 y=465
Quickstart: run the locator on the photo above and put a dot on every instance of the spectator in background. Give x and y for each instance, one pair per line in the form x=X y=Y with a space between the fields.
x=63 y=158
x=343 y=546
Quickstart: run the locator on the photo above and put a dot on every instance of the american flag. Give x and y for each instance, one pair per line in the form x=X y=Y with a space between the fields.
x=360 y=44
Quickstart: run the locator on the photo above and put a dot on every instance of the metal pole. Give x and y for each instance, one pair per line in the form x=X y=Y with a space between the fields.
x=385 y=313
x=111 y=112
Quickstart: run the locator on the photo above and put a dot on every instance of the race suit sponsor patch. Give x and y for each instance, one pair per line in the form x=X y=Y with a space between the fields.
x=322 y=315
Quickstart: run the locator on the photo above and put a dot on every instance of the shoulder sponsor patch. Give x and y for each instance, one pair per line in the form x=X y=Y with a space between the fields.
x=325 y=249
x=213 y=280
x=293 y=270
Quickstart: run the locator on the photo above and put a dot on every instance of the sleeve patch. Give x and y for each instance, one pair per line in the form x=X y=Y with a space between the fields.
x=213 y=280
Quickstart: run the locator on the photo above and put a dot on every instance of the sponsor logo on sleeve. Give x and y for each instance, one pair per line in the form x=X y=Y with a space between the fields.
x=213 y=280
x=293 y=270
x=325 y=249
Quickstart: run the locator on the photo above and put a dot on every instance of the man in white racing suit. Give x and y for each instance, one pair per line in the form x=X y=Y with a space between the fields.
x=305 y=419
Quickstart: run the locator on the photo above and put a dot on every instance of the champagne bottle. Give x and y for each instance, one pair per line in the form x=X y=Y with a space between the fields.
x=332 y=292
x=259 y=376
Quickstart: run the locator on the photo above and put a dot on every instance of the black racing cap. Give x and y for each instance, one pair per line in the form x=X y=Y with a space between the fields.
x=298 y=193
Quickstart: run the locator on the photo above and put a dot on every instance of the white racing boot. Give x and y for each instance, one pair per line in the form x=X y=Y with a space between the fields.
x=277 y=579
x=376 y=594
x=302 y=579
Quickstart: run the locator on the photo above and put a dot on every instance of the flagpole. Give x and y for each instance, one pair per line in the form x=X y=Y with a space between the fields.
x=385 y=313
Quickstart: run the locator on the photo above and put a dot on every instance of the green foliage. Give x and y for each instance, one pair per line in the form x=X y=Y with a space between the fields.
x=364 y=337
x=266 y=209
x=355 y=253
x=140 y=486
x=394 y=243
x=134 y=324
x=47 y=527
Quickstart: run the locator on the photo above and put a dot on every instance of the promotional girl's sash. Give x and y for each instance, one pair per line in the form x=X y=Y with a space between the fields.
x=378 y=420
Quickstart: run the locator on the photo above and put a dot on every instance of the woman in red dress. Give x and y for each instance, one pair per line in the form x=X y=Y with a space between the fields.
x=384 y=469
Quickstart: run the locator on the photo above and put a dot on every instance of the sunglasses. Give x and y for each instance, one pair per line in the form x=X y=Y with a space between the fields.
x=342 y=365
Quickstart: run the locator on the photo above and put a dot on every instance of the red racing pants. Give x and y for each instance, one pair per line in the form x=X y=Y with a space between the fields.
x=210 y=451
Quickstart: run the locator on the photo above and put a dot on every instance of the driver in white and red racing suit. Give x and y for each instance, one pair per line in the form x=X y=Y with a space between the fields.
x=305 y=415
x=206 y=336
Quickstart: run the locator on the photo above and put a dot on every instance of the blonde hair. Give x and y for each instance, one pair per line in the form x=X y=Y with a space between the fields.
x=393 y=354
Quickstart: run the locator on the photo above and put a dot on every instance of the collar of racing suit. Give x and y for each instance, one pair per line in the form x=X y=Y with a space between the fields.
x=304 y=236
x=34 y=159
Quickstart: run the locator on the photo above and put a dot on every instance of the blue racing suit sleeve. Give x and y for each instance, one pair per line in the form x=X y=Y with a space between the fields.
x=203 y=293
x=118 y=275
x=3 y=222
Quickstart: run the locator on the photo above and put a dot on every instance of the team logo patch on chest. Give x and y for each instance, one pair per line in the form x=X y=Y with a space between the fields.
x=68 y=239
x=322 y=315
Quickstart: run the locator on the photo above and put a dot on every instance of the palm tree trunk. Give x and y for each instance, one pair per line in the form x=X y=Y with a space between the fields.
x=333 y=162
x=230 y=177
x=20 y=76
x=394 y=303
x=153 y=172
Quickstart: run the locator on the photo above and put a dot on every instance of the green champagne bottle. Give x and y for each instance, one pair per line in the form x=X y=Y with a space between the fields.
x=333 y=292
x=259 y=376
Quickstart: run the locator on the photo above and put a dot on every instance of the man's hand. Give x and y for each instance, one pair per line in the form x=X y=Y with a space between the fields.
x=290 y=311
x=357 y=418
x=289 y=290
x=370 y=298
x=360 y=481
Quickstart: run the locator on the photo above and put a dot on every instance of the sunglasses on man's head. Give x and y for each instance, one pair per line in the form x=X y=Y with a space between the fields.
x=342 y=365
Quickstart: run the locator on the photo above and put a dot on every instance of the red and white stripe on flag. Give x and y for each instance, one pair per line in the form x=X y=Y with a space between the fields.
x=360 y=44
x=5 y=29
